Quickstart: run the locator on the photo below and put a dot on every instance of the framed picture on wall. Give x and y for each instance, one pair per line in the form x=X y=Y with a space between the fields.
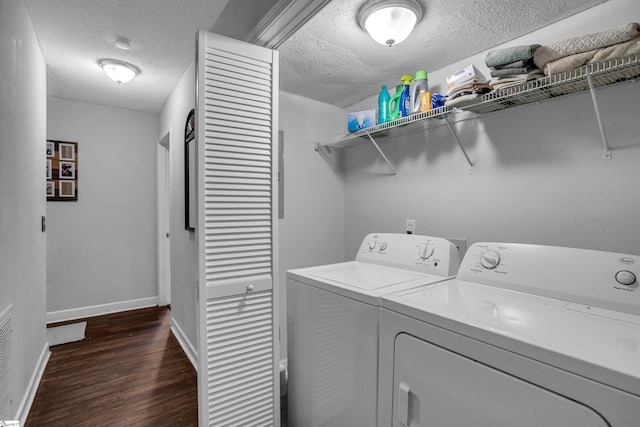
x=51 y=148
x=67 y=188
x=67 y=170
x=62 y=166
x=190 y=172
x=66 y=151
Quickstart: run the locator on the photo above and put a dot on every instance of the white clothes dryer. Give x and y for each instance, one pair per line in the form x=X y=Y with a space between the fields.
x=333 y=316
x=525 y=336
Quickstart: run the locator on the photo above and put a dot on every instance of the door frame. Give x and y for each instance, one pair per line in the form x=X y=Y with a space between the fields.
x=164 y=218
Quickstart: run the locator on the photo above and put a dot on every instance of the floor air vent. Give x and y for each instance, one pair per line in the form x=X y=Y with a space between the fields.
x=6 y=383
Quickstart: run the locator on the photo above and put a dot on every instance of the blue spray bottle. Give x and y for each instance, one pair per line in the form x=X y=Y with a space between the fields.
x=405 y=97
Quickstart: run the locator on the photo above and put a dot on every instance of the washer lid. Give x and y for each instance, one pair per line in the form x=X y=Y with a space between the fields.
x=368 y=276
x=596 y=343
x=361 y=281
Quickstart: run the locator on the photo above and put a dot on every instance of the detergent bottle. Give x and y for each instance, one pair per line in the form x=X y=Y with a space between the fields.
x=394 y=103
x=405 y=97
x=383 y=106
x=420 y=86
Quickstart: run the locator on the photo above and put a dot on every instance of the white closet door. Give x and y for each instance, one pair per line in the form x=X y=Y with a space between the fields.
x=236 y=126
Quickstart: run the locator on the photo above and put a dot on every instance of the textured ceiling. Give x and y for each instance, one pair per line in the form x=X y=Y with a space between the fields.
x=75 y=35
x=331 y=59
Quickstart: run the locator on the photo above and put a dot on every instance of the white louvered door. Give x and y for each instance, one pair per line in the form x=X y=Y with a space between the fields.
x=236 y=125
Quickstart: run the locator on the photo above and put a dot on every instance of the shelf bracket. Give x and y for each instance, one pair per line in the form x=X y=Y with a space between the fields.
x=607 y=150
x=455 y=136
x=375 y=144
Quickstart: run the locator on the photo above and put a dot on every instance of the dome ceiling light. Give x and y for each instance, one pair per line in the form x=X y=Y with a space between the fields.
x=389 y=22
x=118 y=71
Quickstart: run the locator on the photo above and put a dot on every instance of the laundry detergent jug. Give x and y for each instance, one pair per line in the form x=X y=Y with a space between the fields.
x=394 y=103
x=383 y=105
x=420 y=86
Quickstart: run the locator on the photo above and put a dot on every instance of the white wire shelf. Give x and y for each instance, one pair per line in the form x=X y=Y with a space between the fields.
x=437 y=117
x=427 y=120
x=588 y=77
x=580 y=79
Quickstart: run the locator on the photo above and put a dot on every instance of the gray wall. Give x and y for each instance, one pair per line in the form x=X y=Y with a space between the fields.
x=539 y=175
x=101 y=250
x=22 y=198
x=184 y=255
x=313 y=228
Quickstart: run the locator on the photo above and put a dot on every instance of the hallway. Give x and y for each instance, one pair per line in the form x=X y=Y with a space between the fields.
x=128 y=371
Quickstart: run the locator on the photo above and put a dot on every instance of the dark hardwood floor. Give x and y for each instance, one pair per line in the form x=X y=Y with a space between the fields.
x=128 y=371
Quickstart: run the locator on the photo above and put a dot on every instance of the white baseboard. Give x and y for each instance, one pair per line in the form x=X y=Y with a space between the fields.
x=184 y=342
x=98 y=310
x=34 y=382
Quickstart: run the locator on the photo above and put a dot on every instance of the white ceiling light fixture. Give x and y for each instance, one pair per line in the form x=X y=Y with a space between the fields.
x=389 y=22
x=118 y=71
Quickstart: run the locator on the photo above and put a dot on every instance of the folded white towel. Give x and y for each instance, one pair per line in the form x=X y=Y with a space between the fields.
x=468 y=85
x=502 y=82
x=604 y=53
x=571 y=46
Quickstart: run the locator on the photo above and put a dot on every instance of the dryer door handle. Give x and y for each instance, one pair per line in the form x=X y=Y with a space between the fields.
x=403 y=404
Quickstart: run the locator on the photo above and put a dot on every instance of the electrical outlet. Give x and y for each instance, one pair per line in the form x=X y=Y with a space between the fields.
x=410 y=226
x=461 y=244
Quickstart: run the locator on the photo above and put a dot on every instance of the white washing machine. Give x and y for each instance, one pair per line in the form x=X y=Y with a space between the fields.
x=333 y=316
x=525 y=335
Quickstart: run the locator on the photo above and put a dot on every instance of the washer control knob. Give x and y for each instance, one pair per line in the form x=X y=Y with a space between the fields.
x=425 y=251
x=383 y=246
x=490 y=259
x=625 y=277
x=372 y=245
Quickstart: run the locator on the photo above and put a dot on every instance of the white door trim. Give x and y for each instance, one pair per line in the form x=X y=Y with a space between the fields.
x=164 y=218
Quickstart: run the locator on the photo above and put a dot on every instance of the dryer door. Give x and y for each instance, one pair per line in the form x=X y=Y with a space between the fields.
x=436 y=387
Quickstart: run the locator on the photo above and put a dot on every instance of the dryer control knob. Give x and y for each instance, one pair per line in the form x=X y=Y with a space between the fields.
x=383 y=246
x=490 y=259
x=425 y=251
x=625 y=277
x=372 y=244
